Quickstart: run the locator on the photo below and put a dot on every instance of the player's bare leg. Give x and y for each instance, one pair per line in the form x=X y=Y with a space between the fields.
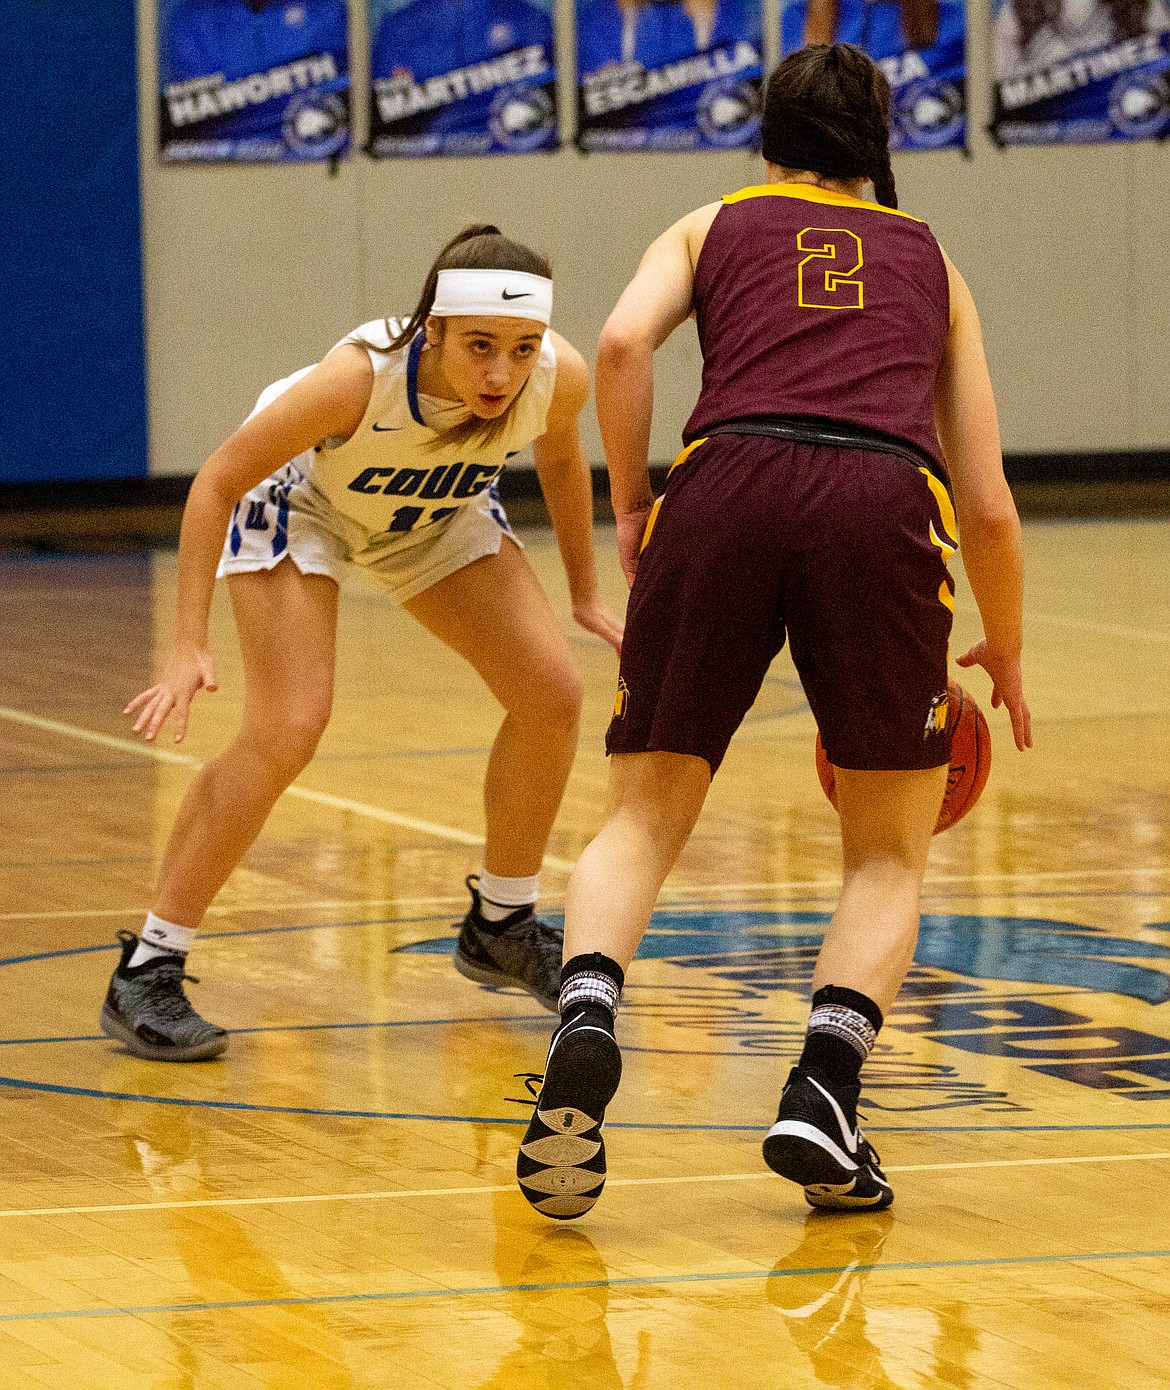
x=654 y=801
x=287 y=623
x=494 y=613
x=886 y=823
x=820 y=24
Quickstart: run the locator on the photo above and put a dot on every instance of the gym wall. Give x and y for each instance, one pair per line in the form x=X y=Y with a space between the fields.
x=251 y=272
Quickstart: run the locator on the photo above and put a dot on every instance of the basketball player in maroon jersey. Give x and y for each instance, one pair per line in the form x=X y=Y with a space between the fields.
x=844 y=386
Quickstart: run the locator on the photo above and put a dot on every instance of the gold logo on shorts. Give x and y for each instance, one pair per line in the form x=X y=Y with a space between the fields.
x=621 y=700
x=936 y=718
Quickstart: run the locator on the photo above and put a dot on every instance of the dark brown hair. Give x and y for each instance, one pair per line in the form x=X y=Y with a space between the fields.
x=480 y=246
x=827 y=110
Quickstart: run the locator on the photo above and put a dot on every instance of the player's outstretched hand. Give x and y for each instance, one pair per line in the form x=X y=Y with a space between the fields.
x=1007 y=688
x=188 y=670
x=631 y=527
x=595 y=617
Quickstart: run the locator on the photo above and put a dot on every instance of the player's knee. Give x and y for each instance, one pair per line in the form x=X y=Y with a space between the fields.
x=292 y=740
x=565 y=695
x=553 y=699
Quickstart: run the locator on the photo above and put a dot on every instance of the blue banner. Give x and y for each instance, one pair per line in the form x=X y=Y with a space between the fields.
x=253 y=80
x=662 y=75
x=1077 y=72
x=462 y=77
x=920 y=45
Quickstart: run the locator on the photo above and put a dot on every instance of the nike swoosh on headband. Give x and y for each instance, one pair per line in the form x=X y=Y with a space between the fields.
x=524 y=294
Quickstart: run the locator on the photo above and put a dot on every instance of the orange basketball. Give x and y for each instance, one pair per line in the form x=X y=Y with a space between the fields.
x=970 y=759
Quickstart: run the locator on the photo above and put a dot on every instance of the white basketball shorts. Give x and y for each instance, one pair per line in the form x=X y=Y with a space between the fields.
x=285 y=517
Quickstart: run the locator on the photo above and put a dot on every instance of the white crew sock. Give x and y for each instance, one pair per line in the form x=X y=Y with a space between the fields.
x=160 y=938
x=500 y=896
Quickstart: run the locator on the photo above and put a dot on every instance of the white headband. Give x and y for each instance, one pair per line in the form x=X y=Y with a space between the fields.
x=512 y=294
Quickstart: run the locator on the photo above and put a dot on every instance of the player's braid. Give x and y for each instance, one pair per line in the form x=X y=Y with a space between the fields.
x=866 y=94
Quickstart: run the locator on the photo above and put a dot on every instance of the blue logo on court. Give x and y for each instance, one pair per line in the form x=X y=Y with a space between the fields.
x=740 y=960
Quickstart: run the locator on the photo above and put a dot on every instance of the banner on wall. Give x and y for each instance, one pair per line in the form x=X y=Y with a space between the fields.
x=664 y=75
x=920 y=45
x=253 y=80
x=462 y=77
x=1073 y=72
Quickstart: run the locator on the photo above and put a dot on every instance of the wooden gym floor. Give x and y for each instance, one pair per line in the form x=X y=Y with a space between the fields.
x=332 y=1204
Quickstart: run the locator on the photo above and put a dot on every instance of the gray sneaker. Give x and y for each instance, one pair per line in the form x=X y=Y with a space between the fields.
x=519 y=950
x=147 y=1010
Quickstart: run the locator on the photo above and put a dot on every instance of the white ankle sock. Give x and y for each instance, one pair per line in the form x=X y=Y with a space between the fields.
x=161 y=938
x=500 y=896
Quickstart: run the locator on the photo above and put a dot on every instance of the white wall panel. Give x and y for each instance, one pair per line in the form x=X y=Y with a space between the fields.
x=252 y=272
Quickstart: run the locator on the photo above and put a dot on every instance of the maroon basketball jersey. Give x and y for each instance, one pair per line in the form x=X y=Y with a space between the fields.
x=812 y=303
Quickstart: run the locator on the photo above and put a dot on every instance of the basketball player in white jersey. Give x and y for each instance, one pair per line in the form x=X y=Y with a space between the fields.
x=384 y=455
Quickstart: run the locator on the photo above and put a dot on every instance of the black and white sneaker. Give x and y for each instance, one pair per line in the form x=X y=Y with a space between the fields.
x=814 y=1144
x=561 y=1163
x=519 y=950
x=146 y=1009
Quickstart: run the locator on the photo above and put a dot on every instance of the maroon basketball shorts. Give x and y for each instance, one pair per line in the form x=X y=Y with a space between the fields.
x=841 y=550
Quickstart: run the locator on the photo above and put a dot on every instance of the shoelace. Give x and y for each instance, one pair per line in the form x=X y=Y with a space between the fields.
x=533 y=1081
x=535 y=934
x=163 y=991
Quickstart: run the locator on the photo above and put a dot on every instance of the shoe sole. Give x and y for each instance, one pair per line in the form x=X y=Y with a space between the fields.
x=113 y=1027
x=795 y=1150
x=486 y=975
x=840 y=1197
x=562 y=1187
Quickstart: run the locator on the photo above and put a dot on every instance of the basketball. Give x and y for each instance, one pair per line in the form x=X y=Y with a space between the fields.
x=970 y=759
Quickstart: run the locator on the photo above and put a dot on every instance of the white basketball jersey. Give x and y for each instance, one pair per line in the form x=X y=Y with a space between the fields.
x=395 y=473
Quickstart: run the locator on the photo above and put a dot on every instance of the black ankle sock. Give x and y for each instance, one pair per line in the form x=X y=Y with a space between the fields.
x=591 y=986
x=842 y=1030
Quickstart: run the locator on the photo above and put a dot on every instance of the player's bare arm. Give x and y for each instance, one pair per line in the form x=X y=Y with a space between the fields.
x=989 y=528
x=651 y=307
x=567 y=485
x=327 y=402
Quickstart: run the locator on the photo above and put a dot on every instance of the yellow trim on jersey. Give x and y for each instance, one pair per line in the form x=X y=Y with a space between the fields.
x=657 y=507
x=947 y=599
x=810 y=193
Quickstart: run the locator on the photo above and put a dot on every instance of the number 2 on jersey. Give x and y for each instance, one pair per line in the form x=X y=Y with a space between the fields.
x=827 y=277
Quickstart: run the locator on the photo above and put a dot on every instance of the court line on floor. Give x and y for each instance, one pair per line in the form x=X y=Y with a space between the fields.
x=335 y=803
x=632 y=1282
x=686 y=895
x=320 y=1027
x=450 y=833
x=233 y=935
x=676 y=1127
x=1080 y=624
x=410 y=1194
x=229 y=910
